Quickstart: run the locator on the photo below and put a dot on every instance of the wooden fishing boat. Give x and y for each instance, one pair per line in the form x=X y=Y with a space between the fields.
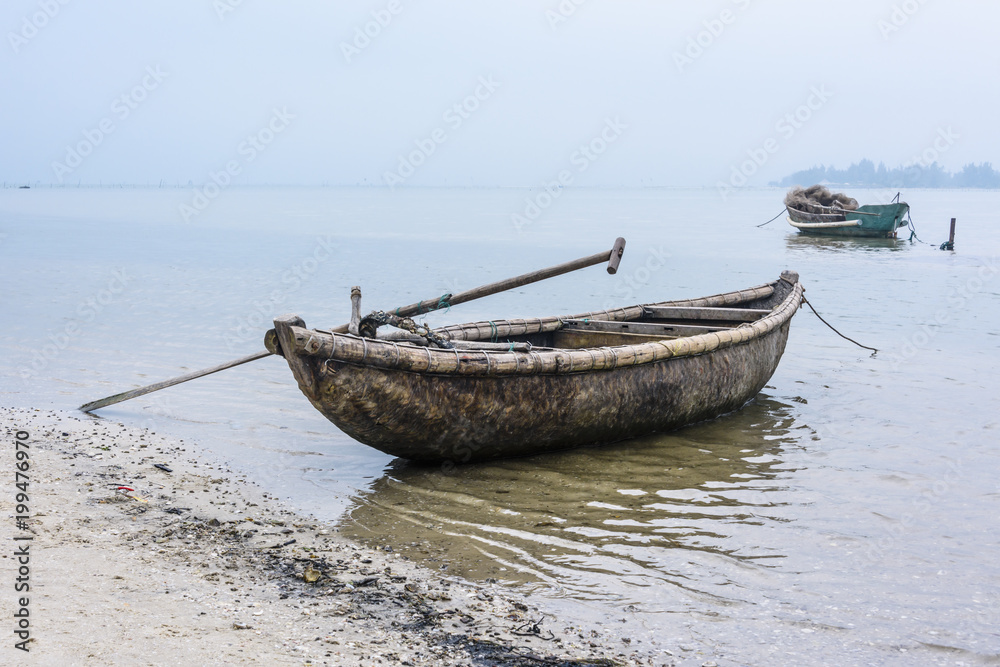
x=525 y=386
x=871 y=220
x=815 y=210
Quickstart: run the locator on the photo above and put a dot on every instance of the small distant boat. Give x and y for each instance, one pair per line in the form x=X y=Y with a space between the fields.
x=518 y=387
x=817 y=211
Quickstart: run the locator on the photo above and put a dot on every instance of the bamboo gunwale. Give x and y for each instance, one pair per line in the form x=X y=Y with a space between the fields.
x=409 y=358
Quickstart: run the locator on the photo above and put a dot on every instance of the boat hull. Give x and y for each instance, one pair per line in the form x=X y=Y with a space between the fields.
x=883 y=223
x=394 y=404
x=465 y=418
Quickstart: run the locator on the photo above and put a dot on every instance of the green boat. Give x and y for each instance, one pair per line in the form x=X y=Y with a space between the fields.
x=818 y=212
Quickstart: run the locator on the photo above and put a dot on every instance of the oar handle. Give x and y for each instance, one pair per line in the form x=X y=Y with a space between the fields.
x=613 y=257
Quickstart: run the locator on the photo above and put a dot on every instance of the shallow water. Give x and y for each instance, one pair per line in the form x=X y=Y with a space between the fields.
x=850 y=511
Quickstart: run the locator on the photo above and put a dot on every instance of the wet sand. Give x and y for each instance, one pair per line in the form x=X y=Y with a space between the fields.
x=197 y=566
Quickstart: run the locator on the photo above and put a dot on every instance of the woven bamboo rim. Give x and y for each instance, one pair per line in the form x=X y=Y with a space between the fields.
x=411 y=358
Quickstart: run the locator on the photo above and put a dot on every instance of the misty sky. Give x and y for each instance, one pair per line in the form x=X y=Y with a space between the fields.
x=501 y=92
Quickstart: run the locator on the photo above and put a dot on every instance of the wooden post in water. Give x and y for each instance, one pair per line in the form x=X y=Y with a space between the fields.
x=950 y=243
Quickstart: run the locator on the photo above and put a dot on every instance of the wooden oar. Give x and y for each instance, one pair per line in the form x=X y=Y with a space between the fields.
x=142 y=391
x=612 y=257
x=446 y=301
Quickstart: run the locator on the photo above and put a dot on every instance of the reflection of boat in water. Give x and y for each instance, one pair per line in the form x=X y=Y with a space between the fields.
x=808 y=242
x=596 y=521
x=816 y=210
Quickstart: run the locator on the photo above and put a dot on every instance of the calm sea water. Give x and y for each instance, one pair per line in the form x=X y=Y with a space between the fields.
x=849 y=514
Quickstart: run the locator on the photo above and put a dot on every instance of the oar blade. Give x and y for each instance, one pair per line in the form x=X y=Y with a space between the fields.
x=142 y=391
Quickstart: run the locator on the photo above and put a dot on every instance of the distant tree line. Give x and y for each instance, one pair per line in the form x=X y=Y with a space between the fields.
x=865 y=173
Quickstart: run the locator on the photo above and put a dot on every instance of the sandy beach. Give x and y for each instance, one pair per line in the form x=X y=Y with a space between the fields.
x=143 y=551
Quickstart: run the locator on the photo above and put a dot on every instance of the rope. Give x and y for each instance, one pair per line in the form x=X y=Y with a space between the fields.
x=774 y=218
x=370 y=323
x=806 y=301
x=494 y=333
x=443 y=302
x=913 y=229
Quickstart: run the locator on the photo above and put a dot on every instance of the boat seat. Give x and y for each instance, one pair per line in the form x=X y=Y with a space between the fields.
x=658 y=329
x=703 y=313
x=600 y=333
